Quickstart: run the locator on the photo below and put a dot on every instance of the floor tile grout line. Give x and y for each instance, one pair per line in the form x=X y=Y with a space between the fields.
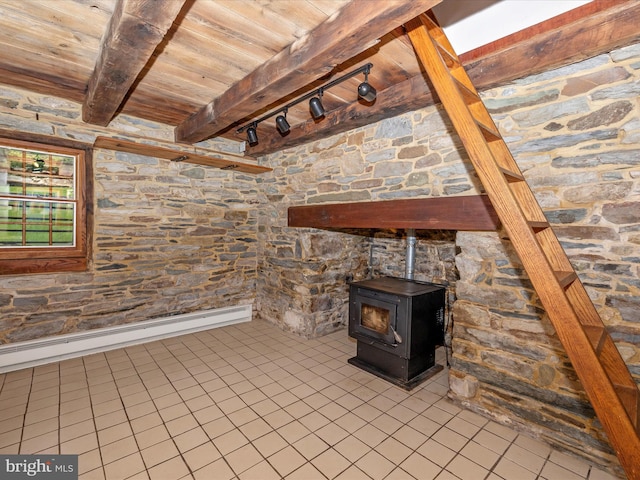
x=183 y=365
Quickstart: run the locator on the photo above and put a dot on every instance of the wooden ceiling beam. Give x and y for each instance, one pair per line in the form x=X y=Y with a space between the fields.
x=592 y=29
x=135 y=30
x=357 y=27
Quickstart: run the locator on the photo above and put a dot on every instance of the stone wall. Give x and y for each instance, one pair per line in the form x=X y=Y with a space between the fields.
x=168 y=238
x=575 y=133
x=406 y=156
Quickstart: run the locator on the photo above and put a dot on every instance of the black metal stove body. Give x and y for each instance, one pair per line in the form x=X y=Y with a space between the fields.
x=397 y=324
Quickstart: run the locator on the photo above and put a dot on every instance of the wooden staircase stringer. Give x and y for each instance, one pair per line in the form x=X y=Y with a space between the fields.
x=604 y=375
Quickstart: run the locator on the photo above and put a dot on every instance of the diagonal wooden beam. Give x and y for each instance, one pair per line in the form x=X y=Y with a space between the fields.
x=134 y=32
x=357 y=27
x=590 y=30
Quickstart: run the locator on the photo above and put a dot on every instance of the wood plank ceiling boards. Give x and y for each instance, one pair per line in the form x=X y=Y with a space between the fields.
x=358 y=27
x=208 y=67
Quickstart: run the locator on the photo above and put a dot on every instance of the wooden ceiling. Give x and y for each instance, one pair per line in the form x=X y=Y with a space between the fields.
x=210 y=66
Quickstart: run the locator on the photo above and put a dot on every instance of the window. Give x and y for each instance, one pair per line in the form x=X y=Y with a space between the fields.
x=43 y=218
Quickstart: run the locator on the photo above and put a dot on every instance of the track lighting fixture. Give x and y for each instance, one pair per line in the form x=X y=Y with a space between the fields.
x=365 y=91
x=252 y=135
x=315 y=106
x=282 y=124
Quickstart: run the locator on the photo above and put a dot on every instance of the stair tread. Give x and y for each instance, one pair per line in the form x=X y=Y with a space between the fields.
x=565 y=278
x=490 y=133
x=597 y=335
x=449 y=58
x=471 y=99
x=435 y=28
x=537 y=225
x=628 y=389
x=469 y=95
x=630 y=397
x=512 y=176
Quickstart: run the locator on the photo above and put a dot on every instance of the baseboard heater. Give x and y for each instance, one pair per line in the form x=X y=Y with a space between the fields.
x=16 y=356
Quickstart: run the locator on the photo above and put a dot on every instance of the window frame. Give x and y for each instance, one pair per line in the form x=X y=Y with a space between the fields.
x=51 y=259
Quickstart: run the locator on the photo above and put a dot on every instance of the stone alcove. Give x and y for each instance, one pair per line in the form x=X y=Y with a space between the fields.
x=581 y=163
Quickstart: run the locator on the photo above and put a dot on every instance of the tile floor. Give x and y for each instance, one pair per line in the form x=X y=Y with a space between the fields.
x=249 y=401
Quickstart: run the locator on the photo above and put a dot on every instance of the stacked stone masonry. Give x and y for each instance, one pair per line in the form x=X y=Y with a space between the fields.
x=172 y=238
x=168 y=238
x=575 y=133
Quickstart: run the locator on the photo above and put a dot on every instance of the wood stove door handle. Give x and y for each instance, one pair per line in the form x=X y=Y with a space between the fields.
x=396 y=335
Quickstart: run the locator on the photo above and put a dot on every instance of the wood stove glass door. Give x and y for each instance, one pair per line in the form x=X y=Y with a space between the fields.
x=376 y=319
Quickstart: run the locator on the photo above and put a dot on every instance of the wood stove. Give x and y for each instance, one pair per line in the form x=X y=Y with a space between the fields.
x=397 y=324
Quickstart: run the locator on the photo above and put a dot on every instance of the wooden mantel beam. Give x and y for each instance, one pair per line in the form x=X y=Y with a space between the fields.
x=597 y=27
x=356 y=28
x=135 y=30
x=468 y=212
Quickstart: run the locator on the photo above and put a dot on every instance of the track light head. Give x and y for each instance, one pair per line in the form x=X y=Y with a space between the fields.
x=282 y=124
x=252 y=135
x=367 y=92
x=316 y=108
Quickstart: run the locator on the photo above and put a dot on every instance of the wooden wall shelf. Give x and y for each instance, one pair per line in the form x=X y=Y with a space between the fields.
x=469 y=212
x=223 y=160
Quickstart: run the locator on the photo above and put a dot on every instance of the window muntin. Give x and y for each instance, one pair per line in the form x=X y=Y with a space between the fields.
x=38 y=200
x=44 y=214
